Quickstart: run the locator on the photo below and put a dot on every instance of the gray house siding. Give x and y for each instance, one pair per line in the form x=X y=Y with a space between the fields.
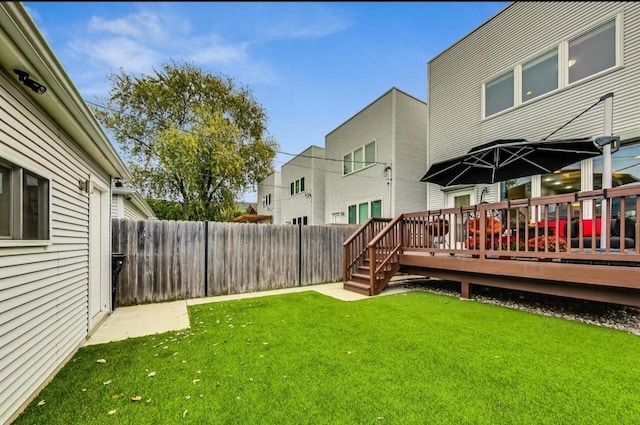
x=372 y=123
x=398 y=124
x=309 y=165
x=44 y=291
x=272 y=185
x=508 y=40
x=410 y=151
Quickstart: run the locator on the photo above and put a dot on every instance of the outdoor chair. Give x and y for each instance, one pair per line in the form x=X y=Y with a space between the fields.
x=437 y=229
x=493 y=229
x=615 y=240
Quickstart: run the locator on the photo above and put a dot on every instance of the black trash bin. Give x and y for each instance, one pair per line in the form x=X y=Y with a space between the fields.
x=117 y=261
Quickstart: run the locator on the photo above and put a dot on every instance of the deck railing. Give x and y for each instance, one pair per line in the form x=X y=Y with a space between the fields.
x=567 y=226
x=355 y=247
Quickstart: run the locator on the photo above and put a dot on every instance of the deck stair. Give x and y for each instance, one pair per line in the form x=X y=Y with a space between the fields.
x=376 y=242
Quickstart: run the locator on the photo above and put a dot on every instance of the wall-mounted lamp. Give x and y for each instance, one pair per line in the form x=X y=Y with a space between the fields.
x=33 y=85
x=118 y=182
x=85 y=186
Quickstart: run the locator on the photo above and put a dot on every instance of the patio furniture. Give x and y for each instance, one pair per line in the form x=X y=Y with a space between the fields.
x=493 y=229
x=437 y=230
x=587 y=235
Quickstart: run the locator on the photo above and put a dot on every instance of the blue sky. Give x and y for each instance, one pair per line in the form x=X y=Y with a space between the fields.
x=311 y=65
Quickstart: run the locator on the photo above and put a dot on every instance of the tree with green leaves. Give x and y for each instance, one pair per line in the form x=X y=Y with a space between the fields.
x=189 y=136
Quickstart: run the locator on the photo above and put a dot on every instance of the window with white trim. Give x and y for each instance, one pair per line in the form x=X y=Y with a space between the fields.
x=590 y=53
x=540 y=75
x=362 y=157
x=24 y=204
x=499 y=94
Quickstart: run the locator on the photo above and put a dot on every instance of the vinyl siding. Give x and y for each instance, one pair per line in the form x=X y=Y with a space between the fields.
x=271 y=185
x=410 y=194
x=304 y=165
x=131 y=212
x=44 y=289
x=317 y=185
x=374 y=122
x=117 y=206
x=511 y=38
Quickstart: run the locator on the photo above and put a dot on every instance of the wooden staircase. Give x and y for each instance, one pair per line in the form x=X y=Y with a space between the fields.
x=377 y=242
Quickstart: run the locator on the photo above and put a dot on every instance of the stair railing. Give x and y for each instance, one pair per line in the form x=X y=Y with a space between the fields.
x=354 y=249
x=384 y=254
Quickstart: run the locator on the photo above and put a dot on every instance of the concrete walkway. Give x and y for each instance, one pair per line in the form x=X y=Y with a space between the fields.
x=149 y=319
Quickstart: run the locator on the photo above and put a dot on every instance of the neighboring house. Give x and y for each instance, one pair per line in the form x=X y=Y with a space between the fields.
x=56 y=172
x=270 y=196
x=303 y=190
x=525 y=73
x=128 y=203
x=377 y=160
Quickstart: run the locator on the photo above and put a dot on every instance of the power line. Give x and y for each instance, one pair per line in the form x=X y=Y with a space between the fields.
x=279 y=152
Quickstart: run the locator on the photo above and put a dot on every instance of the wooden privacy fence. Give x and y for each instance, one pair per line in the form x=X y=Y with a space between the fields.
x=169 y=260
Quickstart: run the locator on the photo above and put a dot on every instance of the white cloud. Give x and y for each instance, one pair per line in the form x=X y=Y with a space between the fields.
x=140 y=25
x=315 y=23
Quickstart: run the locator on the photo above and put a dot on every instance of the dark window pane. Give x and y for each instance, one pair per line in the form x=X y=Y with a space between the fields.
x=540 y=76
x=5 y=201
x=592 y=52
x=35 y=207
x=499 y=94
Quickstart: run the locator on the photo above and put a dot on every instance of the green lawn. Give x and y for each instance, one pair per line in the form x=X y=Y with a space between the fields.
x=304 y=358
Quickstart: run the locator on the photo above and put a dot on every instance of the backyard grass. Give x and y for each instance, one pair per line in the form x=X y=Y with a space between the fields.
x=304 y=358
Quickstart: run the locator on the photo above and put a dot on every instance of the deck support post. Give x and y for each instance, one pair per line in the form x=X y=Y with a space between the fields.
x=465 y=290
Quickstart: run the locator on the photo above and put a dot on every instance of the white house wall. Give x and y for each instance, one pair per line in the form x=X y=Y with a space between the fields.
x=117 y=206
x=272 y=185
x=302 y=204
x=372 y=123
x=317 y=184
x=133 y=213
x=409 y=193
x=520 y=32
x=44 y=290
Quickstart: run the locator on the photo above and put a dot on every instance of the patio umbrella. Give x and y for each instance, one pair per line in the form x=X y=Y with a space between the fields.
x=502 y=160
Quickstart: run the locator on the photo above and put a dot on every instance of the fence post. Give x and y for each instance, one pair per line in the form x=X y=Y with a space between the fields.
x=206 y=258
x=299 y=254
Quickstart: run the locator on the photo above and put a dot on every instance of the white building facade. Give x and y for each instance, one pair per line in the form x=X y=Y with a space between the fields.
x=303 y=188
x=270 y=197
x=377 y=160
x=524 y=74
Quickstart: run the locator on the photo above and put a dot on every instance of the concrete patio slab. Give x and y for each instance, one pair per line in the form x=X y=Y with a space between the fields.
x=141 y=320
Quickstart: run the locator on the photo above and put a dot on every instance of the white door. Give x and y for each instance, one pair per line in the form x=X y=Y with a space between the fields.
x=457 y=199
x=99 y=288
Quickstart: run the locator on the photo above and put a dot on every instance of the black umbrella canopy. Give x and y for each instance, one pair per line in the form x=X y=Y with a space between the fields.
x=502 y=160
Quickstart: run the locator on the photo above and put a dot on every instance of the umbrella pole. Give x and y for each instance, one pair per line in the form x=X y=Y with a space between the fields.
x=606 y=168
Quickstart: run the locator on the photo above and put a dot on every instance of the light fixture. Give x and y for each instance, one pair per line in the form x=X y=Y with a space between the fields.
x=85 y=186
x=33 y=85
x=572 y=62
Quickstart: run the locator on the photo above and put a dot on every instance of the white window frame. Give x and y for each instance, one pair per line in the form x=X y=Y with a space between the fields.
x=365 y=165
x=18 y=167
x=563 y=68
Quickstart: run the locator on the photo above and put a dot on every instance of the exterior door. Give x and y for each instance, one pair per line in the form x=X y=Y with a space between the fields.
x=457 y=199
x=99 y=288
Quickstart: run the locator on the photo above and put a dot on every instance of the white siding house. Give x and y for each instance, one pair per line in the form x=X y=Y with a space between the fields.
x=128 y=203
x=303 y=194
x=56 y=172
x=377 y=160
x=270 y=197
x=525 y=73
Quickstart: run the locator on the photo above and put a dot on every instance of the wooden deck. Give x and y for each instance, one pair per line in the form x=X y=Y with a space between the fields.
x=530 y=249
